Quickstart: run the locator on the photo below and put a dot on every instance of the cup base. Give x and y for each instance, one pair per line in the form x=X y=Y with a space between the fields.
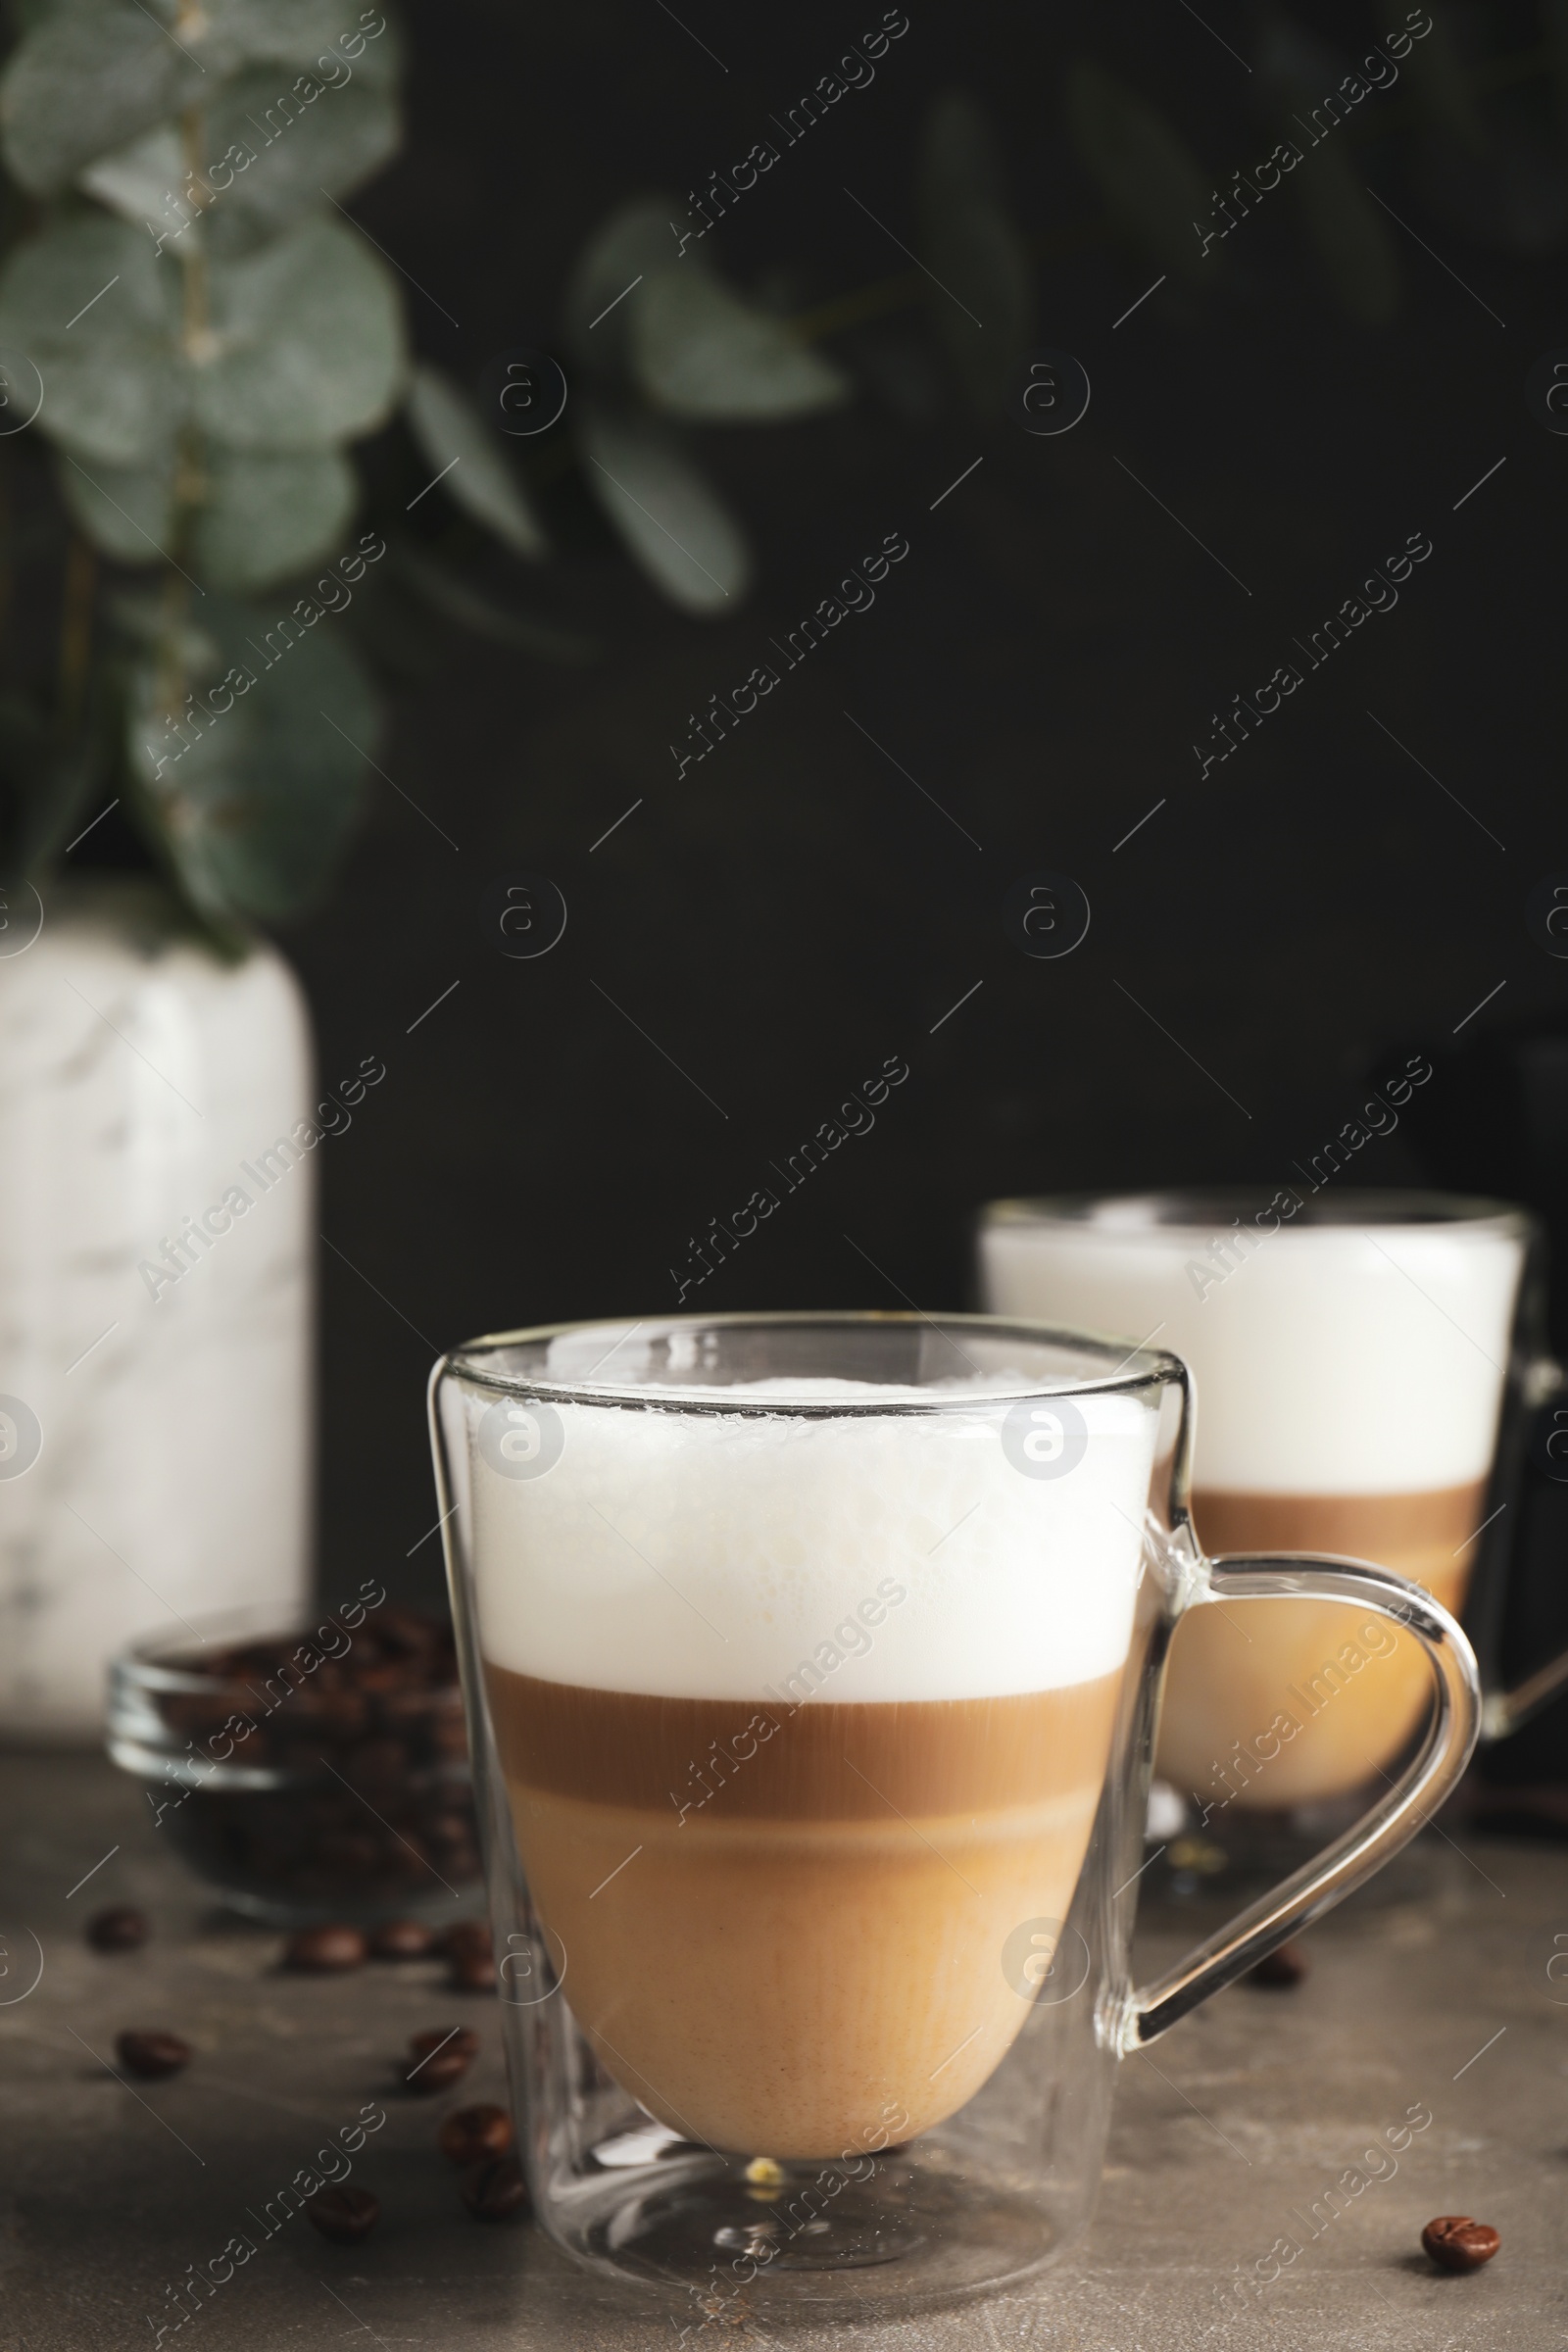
x=780 y=2231
x=818 y=2240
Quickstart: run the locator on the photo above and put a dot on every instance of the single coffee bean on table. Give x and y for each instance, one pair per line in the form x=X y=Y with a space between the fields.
x=1282 y=1967
x=120 y=1929
x=322 y=1951
x=493 y=2192
x=437 y=2071
x=402 y=1939
x=152 y=2055
x=1457 y=2243
x=344 y=2215
x=453 y=2037
x=475 y=2135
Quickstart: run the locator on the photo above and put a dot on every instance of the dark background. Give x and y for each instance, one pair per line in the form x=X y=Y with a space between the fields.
x=793 y=911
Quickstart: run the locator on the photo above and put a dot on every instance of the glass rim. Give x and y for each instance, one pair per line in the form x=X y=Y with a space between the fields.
x=1402 y=1208
x=154 y=1659
x=1151 y=1366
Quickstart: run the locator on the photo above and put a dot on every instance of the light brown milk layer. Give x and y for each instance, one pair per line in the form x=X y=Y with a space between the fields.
x=813 y=1952
x=1353 y=1687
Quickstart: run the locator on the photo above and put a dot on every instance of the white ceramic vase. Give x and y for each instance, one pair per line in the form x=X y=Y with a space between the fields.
x=156 y=1290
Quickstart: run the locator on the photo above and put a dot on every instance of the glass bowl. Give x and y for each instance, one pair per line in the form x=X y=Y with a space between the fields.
x=309 y=1772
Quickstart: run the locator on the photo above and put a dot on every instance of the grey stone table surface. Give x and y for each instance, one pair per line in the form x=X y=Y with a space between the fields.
x=1226 y=2134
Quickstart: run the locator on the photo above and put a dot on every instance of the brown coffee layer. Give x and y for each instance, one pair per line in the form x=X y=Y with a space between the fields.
x=1275 y=1703
x=817 y=1958
x=1382 y=1528
x=813 y=1761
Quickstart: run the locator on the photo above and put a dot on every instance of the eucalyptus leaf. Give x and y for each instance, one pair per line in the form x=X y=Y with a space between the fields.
x=267 y=155
x=127 y=511
x=253 y=809
x=638 y=242
x=458 y=600
x=959 y=158
x=90 y=76
x=88 y=303
x=279 y=152
x=1348 y=236
x=267 y=515
x=1147 y=176
x=299 y=33
x=141 y=181
x=307 y=342
x=699 y=351
x=473 y=472
x=143 y=614
x=673 y=524
x=982 y=302
x=1443 y=90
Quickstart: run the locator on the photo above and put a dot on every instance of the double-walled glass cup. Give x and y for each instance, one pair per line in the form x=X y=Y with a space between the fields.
x=813 y=1667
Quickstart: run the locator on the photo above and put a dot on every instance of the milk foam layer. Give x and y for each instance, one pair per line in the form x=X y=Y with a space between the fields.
x=707 y=1555
x=1332 y=1359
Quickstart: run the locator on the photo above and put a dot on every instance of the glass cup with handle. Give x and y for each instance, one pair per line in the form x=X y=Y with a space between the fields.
x=1368 y=1363
x=813 y=1664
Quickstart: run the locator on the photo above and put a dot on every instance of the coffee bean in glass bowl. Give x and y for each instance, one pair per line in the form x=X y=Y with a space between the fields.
x=120 y=1929
x=152 y=2054
x=402 y=1939
x=325 y=1950
x=469 y=1939
x=314 y=1774
x=495 y=2191
x=344 y=2215
x=473 y=2136
x=1457 y=2243
x=474 y=1972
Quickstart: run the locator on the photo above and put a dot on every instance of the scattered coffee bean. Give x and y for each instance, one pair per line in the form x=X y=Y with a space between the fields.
x=1287 y=1965
x=320 y=1950
x=439 y=2072
x=152 y=2055
x=475 y=2135
x=452 y=2037
x=470 y=1939
x=120 y=1928
x=474 y=1971
x=344 y=2215
x=493 y=2192
x=402 y=1939
x=1457 y=2243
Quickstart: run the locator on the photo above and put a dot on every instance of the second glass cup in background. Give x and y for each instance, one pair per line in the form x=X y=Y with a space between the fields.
x=1364 y=1363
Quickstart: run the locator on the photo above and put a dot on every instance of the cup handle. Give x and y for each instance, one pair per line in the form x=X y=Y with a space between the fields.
x=1387 y=1823
x=1537 y=1382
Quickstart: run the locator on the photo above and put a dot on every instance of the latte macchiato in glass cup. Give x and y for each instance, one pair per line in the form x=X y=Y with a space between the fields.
x=1352 y=1355
x=811 y=1665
